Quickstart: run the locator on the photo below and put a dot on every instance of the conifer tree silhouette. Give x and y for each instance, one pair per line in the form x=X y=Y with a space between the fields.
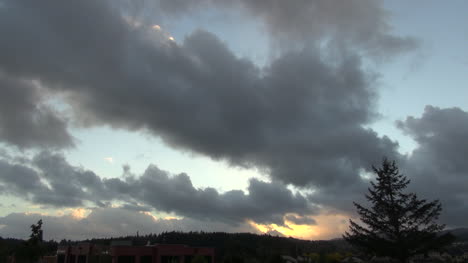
x=397 y=224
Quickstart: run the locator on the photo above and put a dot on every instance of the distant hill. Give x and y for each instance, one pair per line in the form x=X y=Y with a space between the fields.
x=461 y=234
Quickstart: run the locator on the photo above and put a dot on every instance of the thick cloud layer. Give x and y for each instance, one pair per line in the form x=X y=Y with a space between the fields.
x=49 y=180
x=24 y=121
x=300 y=119
x=357 y=24
x=106 y=222
x=305 y=220
x=438 y=167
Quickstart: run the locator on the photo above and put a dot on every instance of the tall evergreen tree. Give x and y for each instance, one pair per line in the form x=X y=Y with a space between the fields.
x=397 y=224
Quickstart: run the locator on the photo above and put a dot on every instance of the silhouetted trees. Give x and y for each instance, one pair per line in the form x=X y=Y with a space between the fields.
x=239 y=247
x=32 y=249
x=397 y=224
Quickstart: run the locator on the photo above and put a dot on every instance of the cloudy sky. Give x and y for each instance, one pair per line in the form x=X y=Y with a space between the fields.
x=118 y=116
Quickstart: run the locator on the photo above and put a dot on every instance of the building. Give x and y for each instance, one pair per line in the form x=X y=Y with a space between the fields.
x=125 y=253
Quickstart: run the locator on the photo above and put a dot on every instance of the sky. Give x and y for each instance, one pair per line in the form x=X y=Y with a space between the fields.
x=258 y=116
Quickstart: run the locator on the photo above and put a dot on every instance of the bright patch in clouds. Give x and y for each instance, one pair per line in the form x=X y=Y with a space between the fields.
x=109 y=159
x=80 y=213
x=204 y=109
x=328 y=226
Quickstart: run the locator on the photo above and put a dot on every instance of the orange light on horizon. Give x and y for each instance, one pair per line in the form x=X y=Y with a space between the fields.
x=291 y=230
x=328 y=226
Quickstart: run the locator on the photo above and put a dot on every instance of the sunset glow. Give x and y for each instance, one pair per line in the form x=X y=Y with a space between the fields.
x=80 y=213
x=118 y=117
x=328 y=226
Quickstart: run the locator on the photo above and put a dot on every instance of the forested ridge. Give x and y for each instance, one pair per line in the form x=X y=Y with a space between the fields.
x=229 y=247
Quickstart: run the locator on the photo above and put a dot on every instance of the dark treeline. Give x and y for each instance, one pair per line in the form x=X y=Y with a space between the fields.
x=238 y=247
x=229 y=247
x=10 y=246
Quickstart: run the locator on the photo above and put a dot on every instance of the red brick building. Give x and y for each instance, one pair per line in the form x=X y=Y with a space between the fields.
x=159 y=253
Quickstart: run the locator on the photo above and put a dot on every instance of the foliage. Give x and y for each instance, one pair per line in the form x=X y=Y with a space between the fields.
x=238 y=247
x=333 y=257
x=32 y=249
x=36 y=233
x=6 y=248
x=397 y=224
x=313 y=257
x=199 y=259
x=11 y=246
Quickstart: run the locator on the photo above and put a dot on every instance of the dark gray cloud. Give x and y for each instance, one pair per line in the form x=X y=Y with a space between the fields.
x=67 y=185
x=132 y=206
x=358 y=24
x=300 y=119
x=265 y=203
x=106 y=222
x=438 y=166
x=49 y=180
x=26 y=122
x=55 y=183
x=19 y=180
x=301 y=220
